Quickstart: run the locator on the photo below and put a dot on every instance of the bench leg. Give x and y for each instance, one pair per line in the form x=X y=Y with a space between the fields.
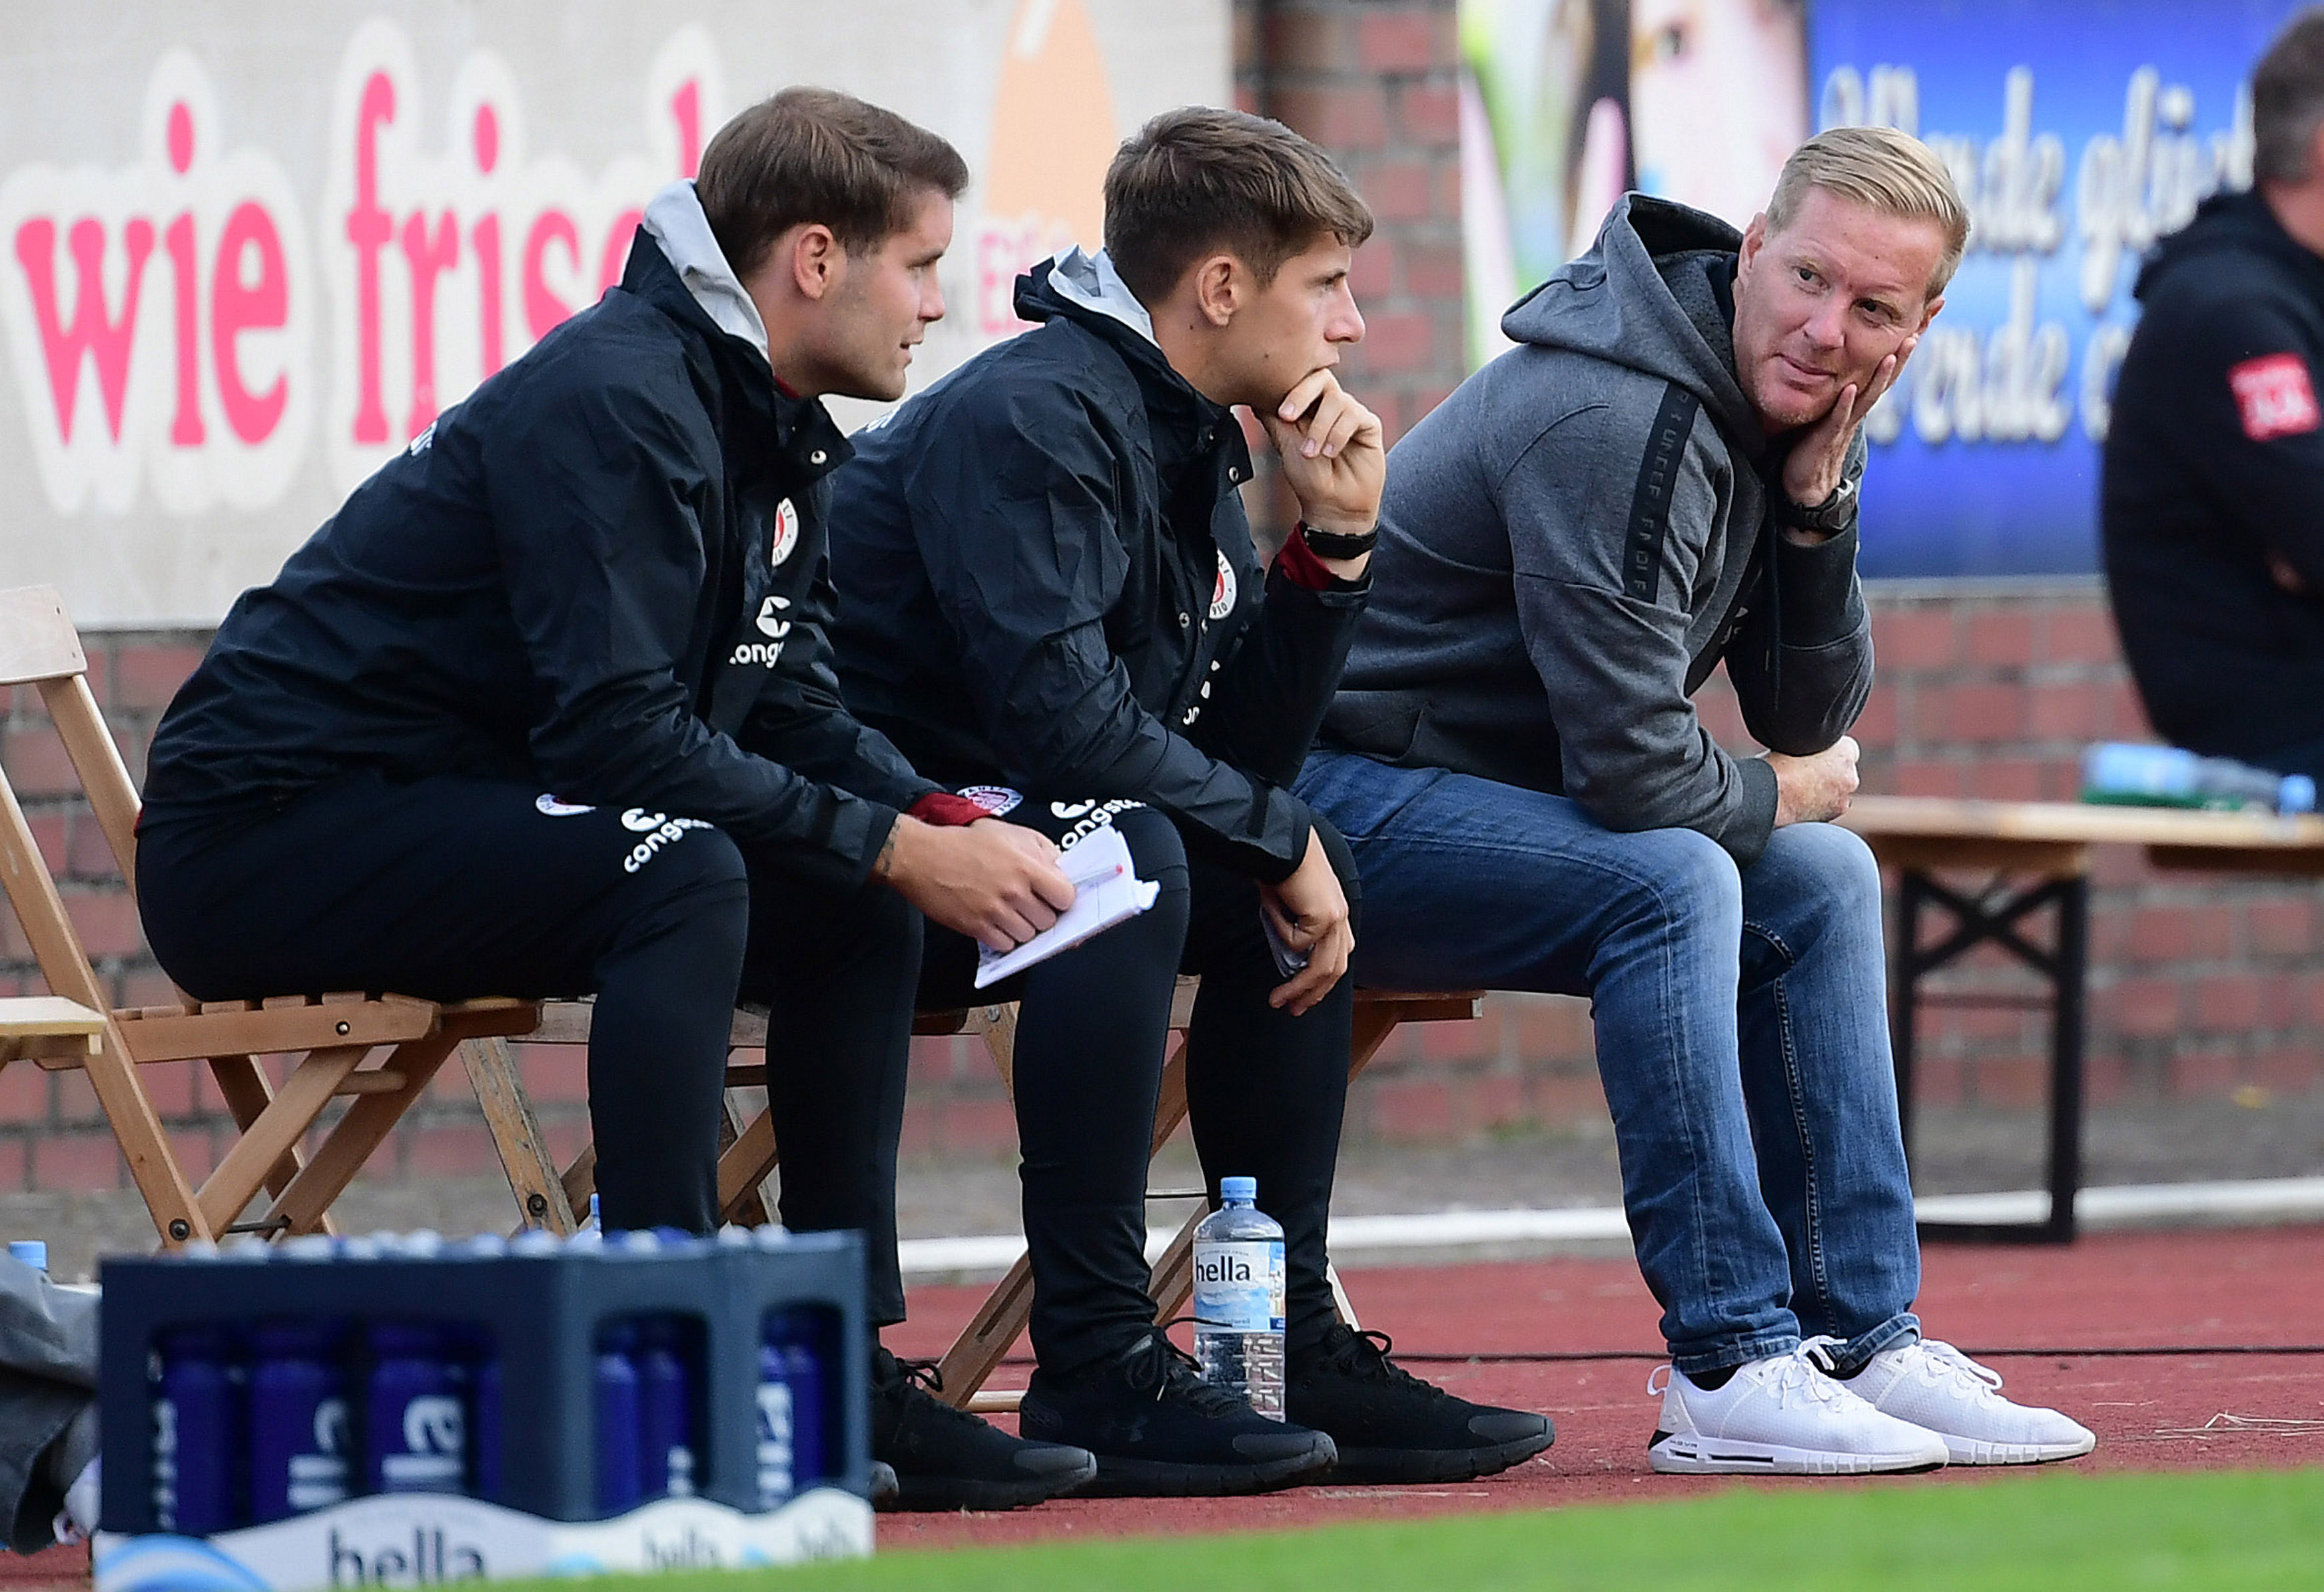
x=759 y=1199
x=516 y=1134
x=299 y=1207
x=241 y=1171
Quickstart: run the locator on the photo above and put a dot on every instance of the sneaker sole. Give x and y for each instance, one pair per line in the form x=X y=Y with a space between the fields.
x=1961 y=1450
x=1391 y=1465
x=1119 y=1477
x=921 y=1495
x=1672 y=1454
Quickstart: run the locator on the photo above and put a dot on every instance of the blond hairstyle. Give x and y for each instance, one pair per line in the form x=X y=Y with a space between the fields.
x=1890 y=171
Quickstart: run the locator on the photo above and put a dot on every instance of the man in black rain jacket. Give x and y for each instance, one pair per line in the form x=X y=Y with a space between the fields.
x=547 y=709
x=1050 y=598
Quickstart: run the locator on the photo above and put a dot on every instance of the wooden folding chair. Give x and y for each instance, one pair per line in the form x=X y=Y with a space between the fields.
x=75 y=1026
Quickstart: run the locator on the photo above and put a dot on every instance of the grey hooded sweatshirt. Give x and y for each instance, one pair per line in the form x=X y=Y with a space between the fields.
x=1503 y=638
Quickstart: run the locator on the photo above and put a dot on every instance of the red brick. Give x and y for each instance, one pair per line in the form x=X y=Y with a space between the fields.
x=1915 y=638
x=446 y=1149
x=566 y=1137
x=2181 y=934
x=2005 y=780
x=1498 y=1100
x=919 y=1134
x=2016 y=1080
x=89 y=855
x=2075 y=711
x=1398 y=340
x=2078 y=635
x=13 y=1166
x=1397 y=191
x=1429 y=114
x=144 y=986
x=1926 y=777
x=2001 y=639
x=1395 y=414
x=34 y=757
x=1371 y=274
x=75 y=1102
x=2283 y=928
x=1320 y=40
x=1545 y=1027
x=198 y=1152
x=23 y=1094
x=1407 y=1108
x=106 y=921
x=1341 y=117
x=146 y=676
x=76 y=1162
x=1877 y=725
x=1425 y=399
x=2200 y=1074
x=2227 y=1003
x=1433 y=271
x=1938 y=1081
x=2105 y=1081
x=170 y=1087
x=2142 y=1006
x=1985 y=713
x=2288 y=1069
x=1405 y=38
x=2126 y=717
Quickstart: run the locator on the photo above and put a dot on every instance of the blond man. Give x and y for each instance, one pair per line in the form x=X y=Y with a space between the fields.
x=1661 y=477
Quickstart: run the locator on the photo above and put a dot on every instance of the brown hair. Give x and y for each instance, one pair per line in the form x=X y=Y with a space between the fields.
x=1890 y=171
x=1198 y=180
x=816 y=154
x=2288 y=100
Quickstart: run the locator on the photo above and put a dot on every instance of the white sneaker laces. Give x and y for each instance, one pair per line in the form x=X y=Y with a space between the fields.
x=1806 y=1371
x=1940 y=1362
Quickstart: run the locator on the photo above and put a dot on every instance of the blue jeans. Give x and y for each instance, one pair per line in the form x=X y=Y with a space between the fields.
x=1742 y=1024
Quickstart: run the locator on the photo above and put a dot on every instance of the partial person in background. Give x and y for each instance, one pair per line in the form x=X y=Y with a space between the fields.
x=1660 y=479
x=2214 y=483
x=48 y=1471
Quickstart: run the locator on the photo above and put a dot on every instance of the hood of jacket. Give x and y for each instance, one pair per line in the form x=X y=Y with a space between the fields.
x=2237 y=222
x=1645 y=296
x=675 y=220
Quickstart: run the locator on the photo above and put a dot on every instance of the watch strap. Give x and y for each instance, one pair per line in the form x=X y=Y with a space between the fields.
x=1332 y=544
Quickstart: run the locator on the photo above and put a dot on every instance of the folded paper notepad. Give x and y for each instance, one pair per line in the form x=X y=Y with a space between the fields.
x=1105 y=892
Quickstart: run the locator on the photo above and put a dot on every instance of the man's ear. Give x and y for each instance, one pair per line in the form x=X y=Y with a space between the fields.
x=1929 y=313
x=815 y=260
x=1754 y=238
x=1218 y=288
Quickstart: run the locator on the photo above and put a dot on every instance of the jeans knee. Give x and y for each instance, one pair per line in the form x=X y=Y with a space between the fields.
x=1826 y=865
x=1685 y=880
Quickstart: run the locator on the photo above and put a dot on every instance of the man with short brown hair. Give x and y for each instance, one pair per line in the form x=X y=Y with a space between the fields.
x=547 y=709
x=1051 y=600
x=1661 y=478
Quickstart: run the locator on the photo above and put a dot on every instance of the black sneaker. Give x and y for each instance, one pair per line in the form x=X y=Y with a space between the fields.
x=947 y=1458
x=883 y=1489
x=1390 y=1426
x=1158 y=1429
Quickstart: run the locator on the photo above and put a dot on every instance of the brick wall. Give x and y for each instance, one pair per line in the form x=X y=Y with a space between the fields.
x=1375 y=82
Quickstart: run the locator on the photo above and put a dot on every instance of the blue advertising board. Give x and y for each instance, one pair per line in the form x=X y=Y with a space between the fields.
x=2080 y=131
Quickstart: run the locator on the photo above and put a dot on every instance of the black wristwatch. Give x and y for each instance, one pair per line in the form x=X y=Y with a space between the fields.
x=1835 y=514
x=1332 y=544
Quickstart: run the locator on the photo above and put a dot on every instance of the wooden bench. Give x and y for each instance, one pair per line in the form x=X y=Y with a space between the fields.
x=2038 y=857
x=551 y=1196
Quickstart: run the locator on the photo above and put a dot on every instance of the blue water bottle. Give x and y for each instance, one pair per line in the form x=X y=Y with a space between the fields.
x=620 y=1473
x=299 y=1436
x=803 y=1366
x=2120 y=773
x=665 y=1412
x=196 y=1432
x=415 y=1412
x=486 y=1440
x=775 y=1453
x=33 y=1252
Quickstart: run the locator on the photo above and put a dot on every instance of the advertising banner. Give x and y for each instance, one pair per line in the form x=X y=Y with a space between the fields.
x=2079 y=131
x=249 y=249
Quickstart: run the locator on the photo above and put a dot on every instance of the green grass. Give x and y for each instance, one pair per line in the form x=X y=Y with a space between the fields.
x=2248 y=1531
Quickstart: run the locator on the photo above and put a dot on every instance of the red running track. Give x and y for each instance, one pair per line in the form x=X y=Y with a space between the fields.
x=2167 y=1291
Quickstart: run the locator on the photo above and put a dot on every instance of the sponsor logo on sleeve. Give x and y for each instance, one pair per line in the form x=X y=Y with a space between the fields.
x=995 y=799
x=772 y=625
x=554 y=808
x=2275 y=396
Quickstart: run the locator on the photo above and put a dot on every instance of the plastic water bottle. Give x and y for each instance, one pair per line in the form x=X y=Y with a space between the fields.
x=415 y=1412
x=802 y=1350
x=620 y=1480
x=665 y=1412
x=298 y=1420
x=2121 y=774
x=486 y=1444
x=196 y=1432
x=1239 y=1297
x=33 y=1252
x=776 y=1476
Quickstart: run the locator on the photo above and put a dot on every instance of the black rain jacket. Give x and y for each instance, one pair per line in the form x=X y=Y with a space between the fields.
x=1048 y=580
x=604 y=573
x=2213 y=462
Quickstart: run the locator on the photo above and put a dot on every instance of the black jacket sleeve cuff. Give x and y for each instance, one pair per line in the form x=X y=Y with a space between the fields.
x=1747 y=837
x=1821 y=603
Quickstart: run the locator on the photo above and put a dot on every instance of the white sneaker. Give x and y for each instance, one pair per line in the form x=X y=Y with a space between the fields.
x=1934 y=1385
x=1781 y=1416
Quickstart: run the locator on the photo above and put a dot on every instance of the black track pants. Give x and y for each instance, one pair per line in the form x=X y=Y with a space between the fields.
x=1265 y=1090
x=453 y=887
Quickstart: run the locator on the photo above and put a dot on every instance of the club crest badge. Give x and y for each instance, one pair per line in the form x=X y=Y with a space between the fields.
x=786 y=530
x=1223 y=594
x=995 y=799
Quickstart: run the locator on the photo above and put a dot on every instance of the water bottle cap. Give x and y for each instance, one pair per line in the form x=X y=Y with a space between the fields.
x=2298 y=794
x=732 y=1237
x=33 y=1252
x=642 y=1240
x=1238 y=1188
x=485 y=1245
x=534 y=1241
x=310 y=1246
x=771 y=1237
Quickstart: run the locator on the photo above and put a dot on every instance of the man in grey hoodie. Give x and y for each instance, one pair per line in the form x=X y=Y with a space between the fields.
x=1662 y=477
